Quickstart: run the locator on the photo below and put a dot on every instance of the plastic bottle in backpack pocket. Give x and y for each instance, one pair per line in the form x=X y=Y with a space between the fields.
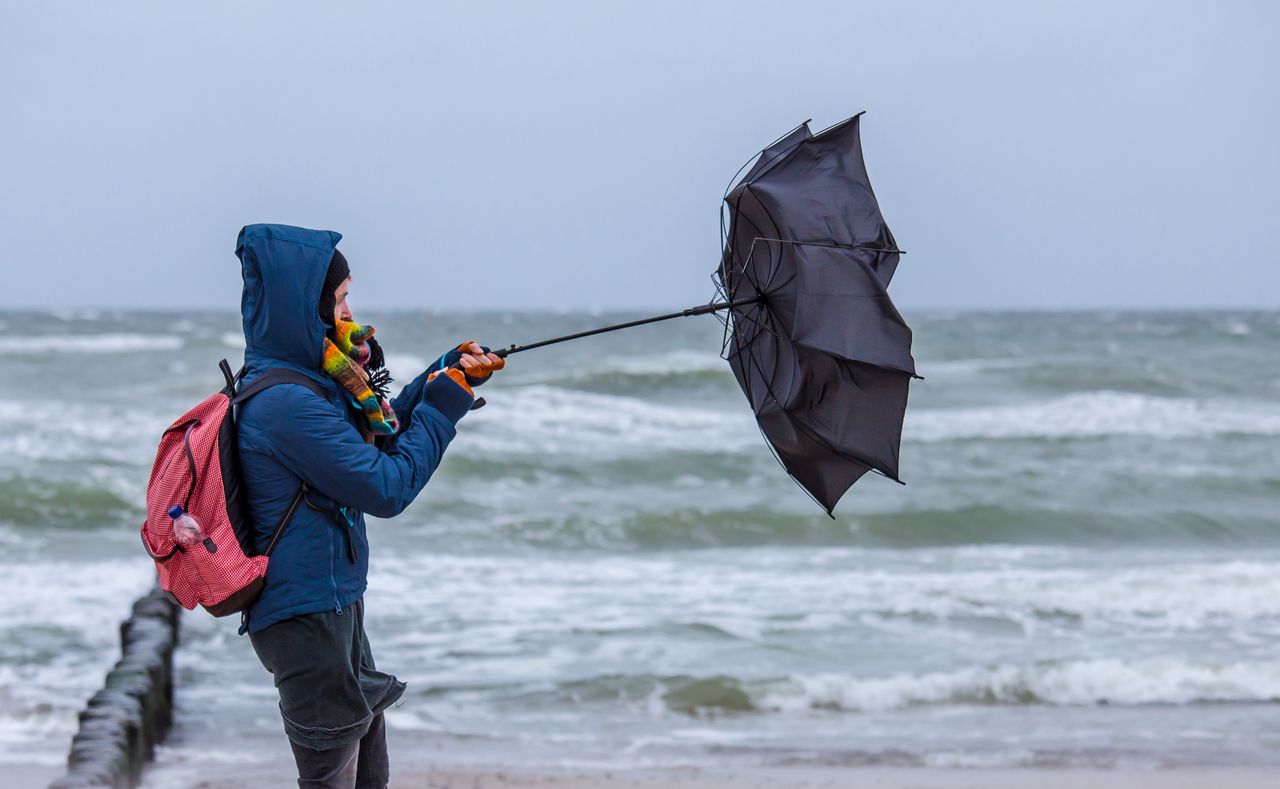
x=187 y=532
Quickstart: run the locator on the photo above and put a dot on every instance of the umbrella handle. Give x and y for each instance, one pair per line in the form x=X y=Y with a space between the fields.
x=479 y=402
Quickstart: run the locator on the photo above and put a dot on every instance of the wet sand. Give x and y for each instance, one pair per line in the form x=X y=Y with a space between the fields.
x=863 y=778
x=792 y=778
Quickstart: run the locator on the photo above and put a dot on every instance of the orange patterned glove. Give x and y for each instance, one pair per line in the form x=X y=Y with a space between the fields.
x=480 y=366
x=456 y=376
x=477 y=362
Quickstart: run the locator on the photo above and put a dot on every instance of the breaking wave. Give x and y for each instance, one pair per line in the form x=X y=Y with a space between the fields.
x=97 y=343
x=549 y=419
x=1068 y=683
x=1110 y=682
x=1095 y=415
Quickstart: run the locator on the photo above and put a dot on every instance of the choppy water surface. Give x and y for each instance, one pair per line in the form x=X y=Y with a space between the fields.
x=610 y=568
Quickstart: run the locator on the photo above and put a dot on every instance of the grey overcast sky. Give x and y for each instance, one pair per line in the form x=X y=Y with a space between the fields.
x=573 y=154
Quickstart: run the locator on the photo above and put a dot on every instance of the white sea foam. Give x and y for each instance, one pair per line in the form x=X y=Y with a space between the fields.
x=1001 y=758
x=1074 y=683
x=75 y=315
x=82 y=602
x=233 y=339
x=541 y=418
x=1177 y=596
x=85 y=431
x=1235 y=327
x=69 y=594
x=673 y=363
x=97 y=343
x=404 y=368
x=1095 y=414
x=651 y=366
x=968 y=367
x=677 y=362
x=1240 y=597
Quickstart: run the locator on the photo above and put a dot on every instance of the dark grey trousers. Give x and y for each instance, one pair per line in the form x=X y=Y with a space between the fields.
x=359 y=765
x=331 y=697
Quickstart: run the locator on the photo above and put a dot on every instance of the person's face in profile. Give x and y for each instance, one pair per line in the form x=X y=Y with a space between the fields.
x=341 y=310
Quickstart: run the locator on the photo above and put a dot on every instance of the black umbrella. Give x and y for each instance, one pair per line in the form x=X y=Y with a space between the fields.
x=815 y=342
x=810 y=332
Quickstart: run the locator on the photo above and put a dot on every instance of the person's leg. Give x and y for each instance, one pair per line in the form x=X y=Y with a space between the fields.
x=331 y=769
x=314 y=660
x=374 y=769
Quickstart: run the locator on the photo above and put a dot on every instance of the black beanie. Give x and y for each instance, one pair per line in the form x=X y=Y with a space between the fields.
x=338 y=271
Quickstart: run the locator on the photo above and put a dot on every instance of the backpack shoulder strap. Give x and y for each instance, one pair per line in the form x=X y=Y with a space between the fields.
x=298 y=498
x=273 y=377
x=231 y=378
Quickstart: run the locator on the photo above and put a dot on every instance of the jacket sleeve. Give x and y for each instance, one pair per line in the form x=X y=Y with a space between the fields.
x=313 y=441
x=404 y=403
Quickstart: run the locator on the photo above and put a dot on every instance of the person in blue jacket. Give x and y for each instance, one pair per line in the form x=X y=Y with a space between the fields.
x=307 y=627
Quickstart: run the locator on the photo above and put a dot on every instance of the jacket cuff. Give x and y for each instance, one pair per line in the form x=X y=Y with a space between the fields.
x=443 y=394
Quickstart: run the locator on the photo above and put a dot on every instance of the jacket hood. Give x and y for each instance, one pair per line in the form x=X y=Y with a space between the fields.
x=284 y=269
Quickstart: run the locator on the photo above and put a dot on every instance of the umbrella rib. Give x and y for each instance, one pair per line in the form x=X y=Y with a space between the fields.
x=765 y=290
x=772 y=450
x=761 y=305
x=752 y=249
x=727 y=320
x=773 y=264
x=760 y=152
x=767 y=383
x=833 y=245
x=773 y=267
x=773 y=270
x=838 y=124
x=759 y=324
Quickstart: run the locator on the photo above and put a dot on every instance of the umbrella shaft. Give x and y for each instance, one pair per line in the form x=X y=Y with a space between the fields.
x=703 y=310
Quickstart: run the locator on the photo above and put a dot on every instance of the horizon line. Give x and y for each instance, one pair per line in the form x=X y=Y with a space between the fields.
x=54 y=310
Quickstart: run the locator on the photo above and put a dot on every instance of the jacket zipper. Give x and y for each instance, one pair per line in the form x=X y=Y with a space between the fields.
x=350 y=534
x=333 y=573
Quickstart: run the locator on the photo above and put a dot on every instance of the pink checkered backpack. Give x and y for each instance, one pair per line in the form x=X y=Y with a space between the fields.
x=197 y=468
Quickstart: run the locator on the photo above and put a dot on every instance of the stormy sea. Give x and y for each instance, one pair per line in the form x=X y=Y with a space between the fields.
x=611 y=570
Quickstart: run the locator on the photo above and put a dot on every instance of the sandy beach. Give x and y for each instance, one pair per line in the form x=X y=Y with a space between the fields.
x=905 y=778
x=808 y=778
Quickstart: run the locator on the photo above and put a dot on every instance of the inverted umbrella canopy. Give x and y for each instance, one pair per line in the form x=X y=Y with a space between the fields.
x=811 y=334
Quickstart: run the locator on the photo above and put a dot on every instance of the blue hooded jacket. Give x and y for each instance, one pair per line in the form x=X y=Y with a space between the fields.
x=289 y=435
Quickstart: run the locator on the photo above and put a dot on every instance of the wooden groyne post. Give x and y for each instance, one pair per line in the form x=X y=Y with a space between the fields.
x=122 y=723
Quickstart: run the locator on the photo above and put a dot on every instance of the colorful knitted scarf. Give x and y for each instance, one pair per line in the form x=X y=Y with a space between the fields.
x=350 y=354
